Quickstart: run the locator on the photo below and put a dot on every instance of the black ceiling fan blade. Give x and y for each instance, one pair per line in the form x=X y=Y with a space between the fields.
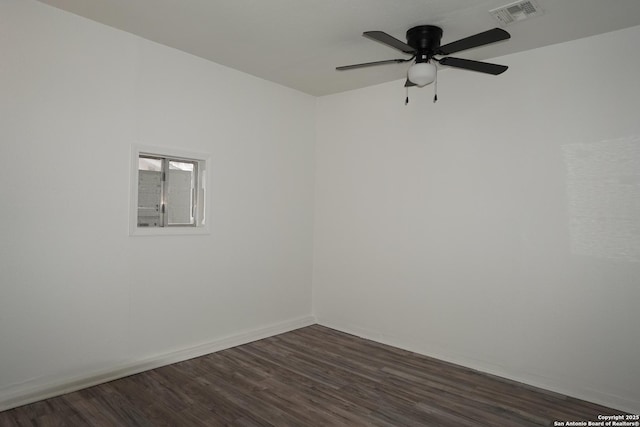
x=370 y=64
x=467 y=64
x=409 y=83
x=480 y=39
x=384 y=38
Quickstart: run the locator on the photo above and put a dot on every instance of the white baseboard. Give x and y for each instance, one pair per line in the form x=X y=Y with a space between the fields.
x=602 y=398
x=39 y=389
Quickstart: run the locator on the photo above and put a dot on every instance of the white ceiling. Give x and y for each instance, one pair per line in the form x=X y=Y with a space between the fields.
x=298 y=43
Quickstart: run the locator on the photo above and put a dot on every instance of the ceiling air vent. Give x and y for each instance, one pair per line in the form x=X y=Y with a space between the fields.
x=517 y=11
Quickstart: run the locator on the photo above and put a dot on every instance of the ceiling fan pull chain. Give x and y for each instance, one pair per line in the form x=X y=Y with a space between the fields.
x=406 y=100
x=435 y=88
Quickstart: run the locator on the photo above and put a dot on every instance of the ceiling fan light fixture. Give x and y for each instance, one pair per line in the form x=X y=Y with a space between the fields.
x=422 y=73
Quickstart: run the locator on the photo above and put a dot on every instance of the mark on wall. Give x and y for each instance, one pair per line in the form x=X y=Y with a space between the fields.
x=603 y=189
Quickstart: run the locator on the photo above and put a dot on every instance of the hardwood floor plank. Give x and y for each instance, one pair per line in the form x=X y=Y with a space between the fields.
x=313 y=376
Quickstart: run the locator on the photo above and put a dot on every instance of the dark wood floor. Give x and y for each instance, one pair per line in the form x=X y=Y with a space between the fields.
x=313 y=376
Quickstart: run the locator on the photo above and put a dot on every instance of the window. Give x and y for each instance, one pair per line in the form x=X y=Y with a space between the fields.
x=169 y=193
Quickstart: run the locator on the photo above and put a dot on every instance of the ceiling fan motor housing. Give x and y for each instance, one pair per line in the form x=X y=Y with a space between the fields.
x=425 y=39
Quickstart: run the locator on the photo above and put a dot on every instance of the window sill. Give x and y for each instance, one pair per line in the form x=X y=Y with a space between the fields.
x=169 y=231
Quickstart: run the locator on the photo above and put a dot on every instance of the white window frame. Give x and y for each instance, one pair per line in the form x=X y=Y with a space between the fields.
x=203 y=160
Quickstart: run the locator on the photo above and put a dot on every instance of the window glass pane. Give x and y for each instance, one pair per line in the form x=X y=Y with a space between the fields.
x=180 y=193
x=174 y=165
x=149 y=198
x=149 y=164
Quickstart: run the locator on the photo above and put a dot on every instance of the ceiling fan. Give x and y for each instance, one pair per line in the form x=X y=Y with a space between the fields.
x=423 y=43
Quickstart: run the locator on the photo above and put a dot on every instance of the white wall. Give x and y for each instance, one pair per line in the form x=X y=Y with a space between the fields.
x=498 y=228
x=77 y=294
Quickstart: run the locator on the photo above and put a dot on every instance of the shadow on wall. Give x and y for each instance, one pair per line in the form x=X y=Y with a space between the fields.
x=603 y=189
